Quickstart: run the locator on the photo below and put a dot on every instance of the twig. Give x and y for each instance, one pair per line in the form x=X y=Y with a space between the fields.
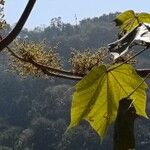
x=13 y=34
x=148 y=75
x=63 y=73
x=138 y=53
x=54 y=72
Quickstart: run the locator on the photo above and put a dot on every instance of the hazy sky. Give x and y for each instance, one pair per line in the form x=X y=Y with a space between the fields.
x=45 y=10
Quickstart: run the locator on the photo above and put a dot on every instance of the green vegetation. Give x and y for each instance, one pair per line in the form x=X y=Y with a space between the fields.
x=36 y=112
x=97 y=96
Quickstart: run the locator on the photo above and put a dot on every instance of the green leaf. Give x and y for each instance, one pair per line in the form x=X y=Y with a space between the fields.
x=96 y=97
x=121 y=18
x=126 y=20
x=144 y=17
x=129 y=20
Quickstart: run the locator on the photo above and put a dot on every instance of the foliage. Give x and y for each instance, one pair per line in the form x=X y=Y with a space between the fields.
x=97 y=96
x=129 y=19
x=41 y=105
x=89 y=33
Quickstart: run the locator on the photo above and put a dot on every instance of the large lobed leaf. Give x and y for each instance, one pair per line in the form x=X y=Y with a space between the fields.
x=97 y=96
x=129 y=20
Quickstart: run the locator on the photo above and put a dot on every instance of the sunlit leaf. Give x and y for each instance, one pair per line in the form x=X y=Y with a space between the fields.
x=123 y=17
x=125 y=20
x=97 y=95
x=144 y=17
x=129 y=19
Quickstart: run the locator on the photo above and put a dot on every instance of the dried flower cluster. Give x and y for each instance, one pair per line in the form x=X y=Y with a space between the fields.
x=128 y=55
x=83 y=62
x=2 y=20
x=33 y=52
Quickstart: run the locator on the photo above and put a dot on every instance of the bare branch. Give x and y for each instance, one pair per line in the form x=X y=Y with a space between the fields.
x=13 y=34
x=45 y=71
x=130 y=58
x=143 y=72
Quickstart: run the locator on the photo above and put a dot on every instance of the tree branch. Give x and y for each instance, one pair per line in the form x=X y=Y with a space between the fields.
x=13 y=34
x=143 y=72
x=45 y=69
x=44 y=66
x=55 y=74
x=64 y=73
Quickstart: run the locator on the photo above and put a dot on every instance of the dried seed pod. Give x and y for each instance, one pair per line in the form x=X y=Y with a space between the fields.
x=37 y=53
x=83 y=62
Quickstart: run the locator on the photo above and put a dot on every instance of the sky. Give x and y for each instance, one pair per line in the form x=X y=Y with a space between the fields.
x=45 y=10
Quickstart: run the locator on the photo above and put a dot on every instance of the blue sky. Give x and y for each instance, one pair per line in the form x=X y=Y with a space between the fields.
x=45 y=10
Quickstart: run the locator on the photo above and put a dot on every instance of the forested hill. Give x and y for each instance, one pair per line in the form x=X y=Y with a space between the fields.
x=89 y=33
x=35 y=112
